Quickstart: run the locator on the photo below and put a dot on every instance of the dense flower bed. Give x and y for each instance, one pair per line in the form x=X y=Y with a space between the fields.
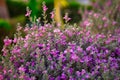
x=46 y=52
x=50 y=53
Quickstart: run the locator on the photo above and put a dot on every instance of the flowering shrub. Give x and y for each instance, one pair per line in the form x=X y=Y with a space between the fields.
x=104 y=18
x=47 y=52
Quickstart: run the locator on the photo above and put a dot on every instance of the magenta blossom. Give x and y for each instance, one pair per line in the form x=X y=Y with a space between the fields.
x=22 y=69
x=44 y=8
x=52 y=15
x=1 y=77
x=7 y=42
x=28 y=12
x=66 y=18
x=74 y=57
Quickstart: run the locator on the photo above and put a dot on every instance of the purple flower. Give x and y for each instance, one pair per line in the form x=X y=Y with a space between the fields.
x=21 y=69
x=74 y=57
x=63 y=76
x=70 y=70
x=83 y=72
x=78 y=73
x=7 y=42
x=1 y=77
x=61 y=56
x=79 y=49
x=52 y=78
x=87 y=76
x=88 y=48
x=16 y=50
x=32 y=71
x=58 y=78
x=41 y=46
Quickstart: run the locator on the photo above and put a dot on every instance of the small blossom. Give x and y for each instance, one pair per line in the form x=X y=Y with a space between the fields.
x=52 y=15
x=86 y=23
x=79 y=49
x=7 y=42
x=21 y=69
x=88 y=48
x=74 y=57
x=15 y=40
x=96 y=15
x=104 y=18
x=83 y=71
x=66 y=18
x=114 y=23
x=78 y=73
x=1 y=77
x=58 y=24
x=63 y=76
x=56 y=30
x=28 y=12
x=44 y=7
x=25 y=45
x=16 y=50
x=87 y=76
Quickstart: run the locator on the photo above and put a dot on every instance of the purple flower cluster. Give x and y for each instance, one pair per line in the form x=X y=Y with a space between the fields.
x=50 y=53
x=47 y=52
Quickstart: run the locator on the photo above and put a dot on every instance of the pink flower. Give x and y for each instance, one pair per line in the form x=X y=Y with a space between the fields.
x=86 y=23
x=7 y=42
x=28 y=12
x=79 y=49
x=16 y=50
x=83 y=71
x=105 y=25
x=15 y=40
x=1 y=77
x=56 y=30
x=66 y=18
x=58 y=24
x=104 y=18
x=21 y=77
x=21 y=69
x=5 y=51
x=4 y=71
x=44 y=7
x=44 y=72
x=61 y=56
x=96 y=15
x=26 y=45
x=26 y=29
x=108 y=3
x=52 y=15
x=88 y=48
x=114 y=23
x=74 y=57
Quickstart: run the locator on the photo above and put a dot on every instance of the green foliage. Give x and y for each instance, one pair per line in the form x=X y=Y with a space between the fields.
x=16 y=8
x=4 y=24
